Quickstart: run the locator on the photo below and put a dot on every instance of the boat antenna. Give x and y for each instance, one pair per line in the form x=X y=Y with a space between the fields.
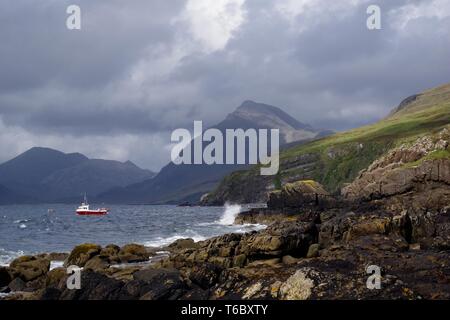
x=85 y=198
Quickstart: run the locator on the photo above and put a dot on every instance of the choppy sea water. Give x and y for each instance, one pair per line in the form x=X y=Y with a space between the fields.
x=31 y=229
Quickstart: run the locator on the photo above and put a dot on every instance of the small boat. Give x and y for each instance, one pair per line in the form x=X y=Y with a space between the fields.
x=84 y=210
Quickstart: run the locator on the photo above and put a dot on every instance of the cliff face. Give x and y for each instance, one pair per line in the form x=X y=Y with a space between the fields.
x=422 y=168
x=338 y=159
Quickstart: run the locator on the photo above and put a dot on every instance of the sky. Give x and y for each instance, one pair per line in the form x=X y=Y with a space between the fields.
x=139 y=69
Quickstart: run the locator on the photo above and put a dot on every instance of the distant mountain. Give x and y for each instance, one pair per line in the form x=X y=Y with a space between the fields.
x=175 y=184
x=47 y=175
x=9 y=197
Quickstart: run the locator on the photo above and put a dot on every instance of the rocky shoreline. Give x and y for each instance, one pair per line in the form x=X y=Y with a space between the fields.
x=395 y=215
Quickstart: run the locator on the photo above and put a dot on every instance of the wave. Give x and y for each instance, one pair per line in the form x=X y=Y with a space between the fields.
x=230 y=214
x=164 y=241
x=21 y=221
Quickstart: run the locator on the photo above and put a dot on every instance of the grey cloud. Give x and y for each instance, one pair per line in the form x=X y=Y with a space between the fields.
x=123 y=73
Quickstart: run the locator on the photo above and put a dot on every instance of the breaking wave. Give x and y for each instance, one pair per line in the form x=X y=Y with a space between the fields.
x=231 y=212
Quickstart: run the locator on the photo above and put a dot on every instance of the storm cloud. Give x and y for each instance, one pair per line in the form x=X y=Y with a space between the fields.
x=138 y=69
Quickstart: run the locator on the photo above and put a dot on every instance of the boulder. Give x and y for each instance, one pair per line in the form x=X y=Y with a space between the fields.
x=299 y=194
x=97 y=263
x=29 y=267
x=181 y=244
x=111 y=252
x=82 y=254
x=286 y=238
x=55 y=276
x=133 y=253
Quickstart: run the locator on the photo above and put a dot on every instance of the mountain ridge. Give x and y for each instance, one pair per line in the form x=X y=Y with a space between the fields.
x=47 y=175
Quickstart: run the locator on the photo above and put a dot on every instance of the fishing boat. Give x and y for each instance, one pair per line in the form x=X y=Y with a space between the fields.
x=84 y=209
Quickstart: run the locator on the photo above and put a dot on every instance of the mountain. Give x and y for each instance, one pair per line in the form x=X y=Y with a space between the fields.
x=339 y=158
x=9 y=197
x=47 y=175
x=179 y=183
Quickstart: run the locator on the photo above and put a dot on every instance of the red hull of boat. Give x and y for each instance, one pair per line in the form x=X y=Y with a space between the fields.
x=92 y=213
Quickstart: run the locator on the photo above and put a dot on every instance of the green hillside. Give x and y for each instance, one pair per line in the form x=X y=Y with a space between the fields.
x=337 y=159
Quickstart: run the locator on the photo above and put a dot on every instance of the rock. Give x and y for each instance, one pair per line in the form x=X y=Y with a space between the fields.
x=29 y=267
x=96 y=286
x=160 y=283
x=363 y=227
x=405 y=169
x=239 y=260
x=133 y=253
x=81 y=254
x=289 y=260
x=5 y=277
x=182 y=244
x=56 y=256
x=55 y=276
x=298 y=286
x=111 y=252
x=313 y=251
x=97 y=263
x=17 y=285
x=279 y=240
x=204 y=275
x=298 y=195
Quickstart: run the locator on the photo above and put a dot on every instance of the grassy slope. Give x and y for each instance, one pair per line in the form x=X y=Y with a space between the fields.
x=343 y=155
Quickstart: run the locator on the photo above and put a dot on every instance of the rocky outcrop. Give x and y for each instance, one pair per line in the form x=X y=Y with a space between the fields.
x=299 y=194
x=29 y=268
x=418 y=175
x=81 y=254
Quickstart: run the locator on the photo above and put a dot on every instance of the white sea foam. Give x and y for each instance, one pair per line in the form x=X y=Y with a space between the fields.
x=21 y=221
x=230 y=213
x=56 y=264
x=161 y=241
x=22 y=226
x=7 y=256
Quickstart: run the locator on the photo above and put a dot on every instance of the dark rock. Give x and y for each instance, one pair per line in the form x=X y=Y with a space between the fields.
x=55 y=277
x=81 y=254
x=97 y=263
x=205 y=275
x=29 y=267
x=160 y=283
x=133 y=253
x=278 y=240
x=96 y=286
x=17 y=285
x=5 y=277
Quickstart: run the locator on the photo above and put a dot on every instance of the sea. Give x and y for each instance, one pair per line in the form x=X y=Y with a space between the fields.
x=33 y=229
